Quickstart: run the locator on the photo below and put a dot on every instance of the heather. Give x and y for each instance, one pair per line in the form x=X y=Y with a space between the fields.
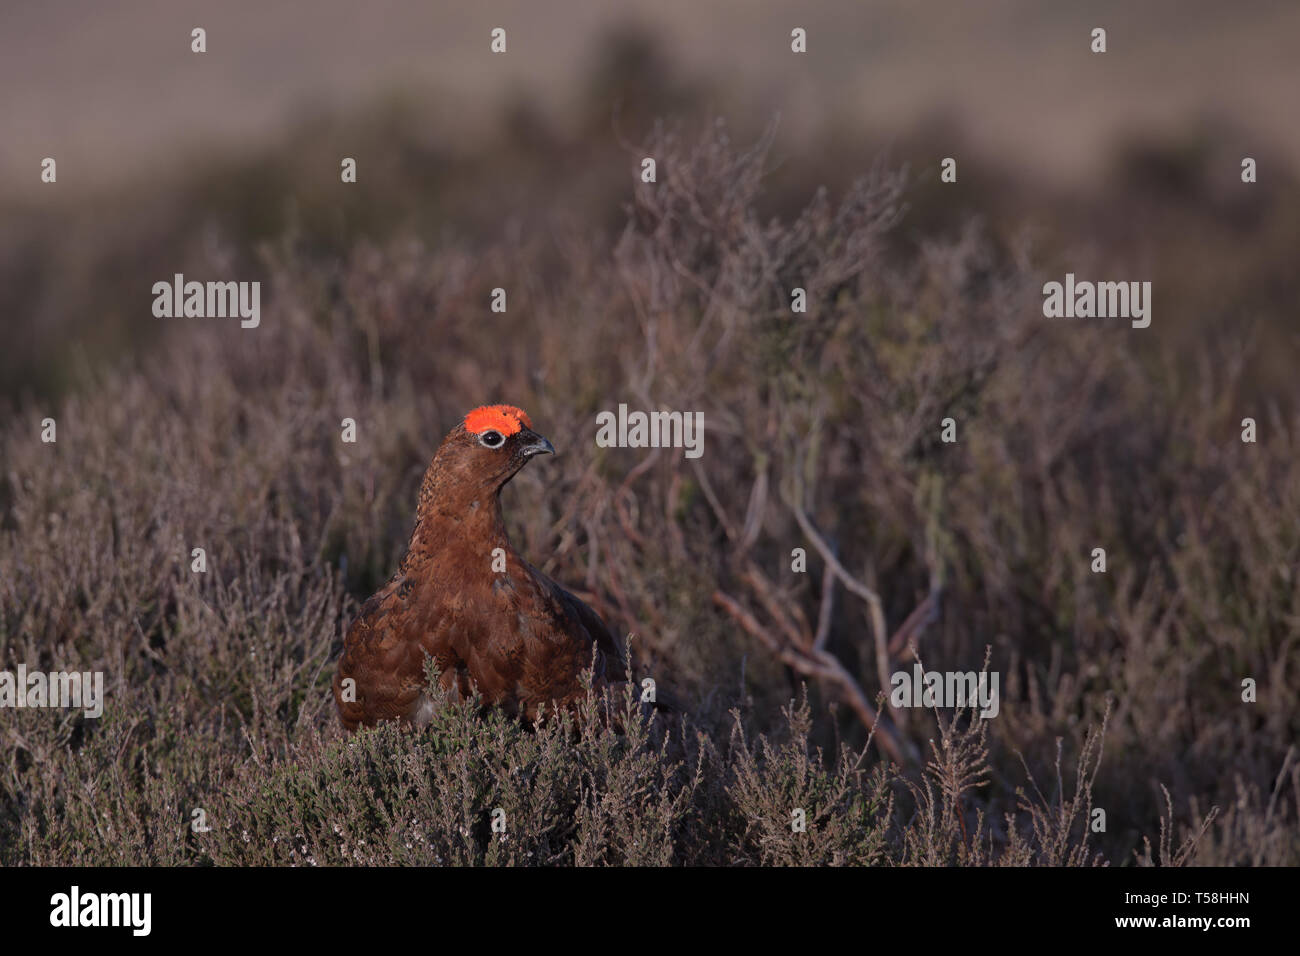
x=1120 y=691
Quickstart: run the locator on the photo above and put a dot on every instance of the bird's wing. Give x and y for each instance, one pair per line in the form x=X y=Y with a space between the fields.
x=606 y=641
x=617 y=666
x=385 y=663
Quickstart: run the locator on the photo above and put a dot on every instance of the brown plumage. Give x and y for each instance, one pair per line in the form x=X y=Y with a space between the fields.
x=516 y=635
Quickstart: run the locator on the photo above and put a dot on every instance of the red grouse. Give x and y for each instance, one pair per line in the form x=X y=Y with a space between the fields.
x=516 y=635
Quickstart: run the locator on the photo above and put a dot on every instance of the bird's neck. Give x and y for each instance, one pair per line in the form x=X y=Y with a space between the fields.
x=465 y=518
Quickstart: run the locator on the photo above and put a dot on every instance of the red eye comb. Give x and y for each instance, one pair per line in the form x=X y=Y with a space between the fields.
x=505 y=419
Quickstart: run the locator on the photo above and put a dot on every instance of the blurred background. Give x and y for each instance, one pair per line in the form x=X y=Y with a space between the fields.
x=160 y=150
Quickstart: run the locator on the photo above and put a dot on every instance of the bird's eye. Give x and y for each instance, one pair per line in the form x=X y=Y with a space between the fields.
x=491 y=439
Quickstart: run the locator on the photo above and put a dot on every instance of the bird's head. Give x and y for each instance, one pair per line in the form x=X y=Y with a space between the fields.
x=489 y=447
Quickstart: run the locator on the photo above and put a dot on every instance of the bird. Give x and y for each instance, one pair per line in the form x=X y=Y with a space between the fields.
x=464 y=597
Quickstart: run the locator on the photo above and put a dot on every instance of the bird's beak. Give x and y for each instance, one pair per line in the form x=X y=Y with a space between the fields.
x=535 y=444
